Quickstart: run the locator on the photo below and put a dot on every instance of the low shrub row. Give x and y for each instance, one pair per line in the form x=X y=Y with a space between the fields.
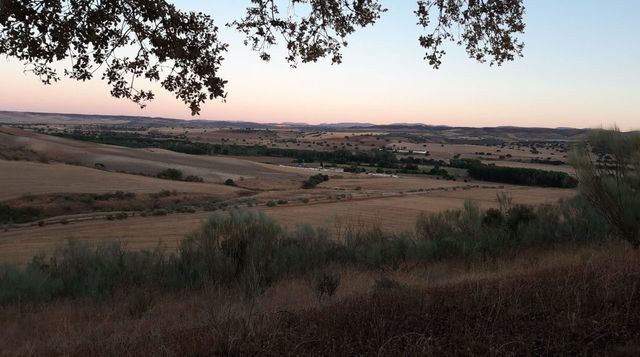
x=10 y=214
x=177 y=175
x=247 y=249
x=515 y=175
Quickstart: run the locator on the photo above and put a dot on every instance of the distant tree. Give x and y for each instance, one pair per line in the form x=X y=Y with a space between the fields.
x=129 y=40
x=612 y=188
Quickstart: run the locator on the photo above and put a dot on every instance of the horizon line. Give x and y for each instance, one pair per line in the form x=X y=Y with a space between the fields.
x=353 y=124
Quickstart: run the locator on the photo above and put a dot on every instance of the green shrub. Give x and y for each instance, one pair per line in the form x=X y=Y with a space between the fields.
x=514 y=175
x=118 y=195
x=248 y=250
x=186 y=209
x=10 y=214
x=75 y=271
x=164 y=193
x=159 y=212
x=314 y=181
x=193 y=178
x=612 y=186
x=234 y=247
x=170 y=174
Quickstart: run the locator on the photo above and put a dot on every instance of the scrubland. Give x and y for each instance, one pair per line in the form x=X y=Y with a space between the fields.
x=238 y=242
x=513 y=280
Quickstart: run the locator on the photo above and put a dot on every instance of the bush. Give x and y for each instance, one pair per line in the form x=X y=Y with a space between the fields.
x=248 y=250
x=613 y=189
x=354 y=169
x=229 y=182
x=193 y=178
x=186 y=209
x=164 y=193
x=271 y=203
x=235 y=247
x=118 y=195
x=10 y=214
x=493 y=217
x=75 y=271
x=159 y=212
x=314 y=181
x=170 y=174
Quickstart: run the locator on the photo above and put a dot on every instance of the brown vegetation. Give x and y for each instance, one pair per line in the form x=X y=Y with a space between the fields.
x=570 y=302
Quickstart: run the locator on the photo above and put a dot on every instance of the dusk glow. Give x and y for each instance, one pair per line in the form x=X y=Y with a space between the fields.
x=579 y=70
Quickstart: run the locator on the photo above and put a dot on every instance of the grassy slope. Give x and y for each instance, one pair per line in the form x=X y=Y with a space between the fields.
x=559 y=303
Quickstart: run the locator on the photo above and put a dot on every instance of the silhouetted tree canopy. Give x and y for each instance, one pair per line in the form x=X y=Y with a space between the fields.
x=128 y=40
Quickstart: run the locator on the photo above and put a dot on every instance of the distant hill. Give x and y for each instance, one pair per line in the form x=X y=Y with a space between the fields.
x=435 y=131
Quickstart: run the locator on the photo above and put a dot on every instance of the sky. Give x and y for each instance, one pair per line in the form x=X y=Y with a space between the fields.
x=581 y=68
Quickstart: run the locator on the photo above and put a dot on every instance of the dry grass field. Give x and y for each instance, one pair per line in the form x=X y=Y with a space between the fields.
x=397 y=212
x=21 y=178
x=139 y=161
x=394 y=202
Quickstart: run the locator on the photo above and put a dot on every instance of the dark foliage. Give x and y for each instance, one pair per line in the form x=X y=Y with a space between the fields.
x=341 y=156
x=613 y=189
x=170 y=174
x=583 y=309
x=320 y=33
x=515 y=175
x=193 y=178
x=314 y=181
x=248 y=250
x=487 y=29
x=181 y=50
x=10 y=214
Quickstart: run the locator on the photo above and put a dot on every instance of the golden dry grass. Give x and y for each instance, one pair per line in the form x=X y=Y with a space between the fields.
x=22 y=177
x=398 y=213
x=146 y=161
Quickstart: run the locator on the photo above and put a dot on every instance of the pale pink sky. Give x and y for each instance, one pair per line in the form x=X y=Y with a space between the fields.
x=579 y=70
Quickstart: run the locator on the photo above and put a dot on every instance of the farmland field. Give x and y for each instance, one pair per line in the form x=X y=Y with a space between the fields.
x=40 y=169
x=391 y=202
x=110 y=187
